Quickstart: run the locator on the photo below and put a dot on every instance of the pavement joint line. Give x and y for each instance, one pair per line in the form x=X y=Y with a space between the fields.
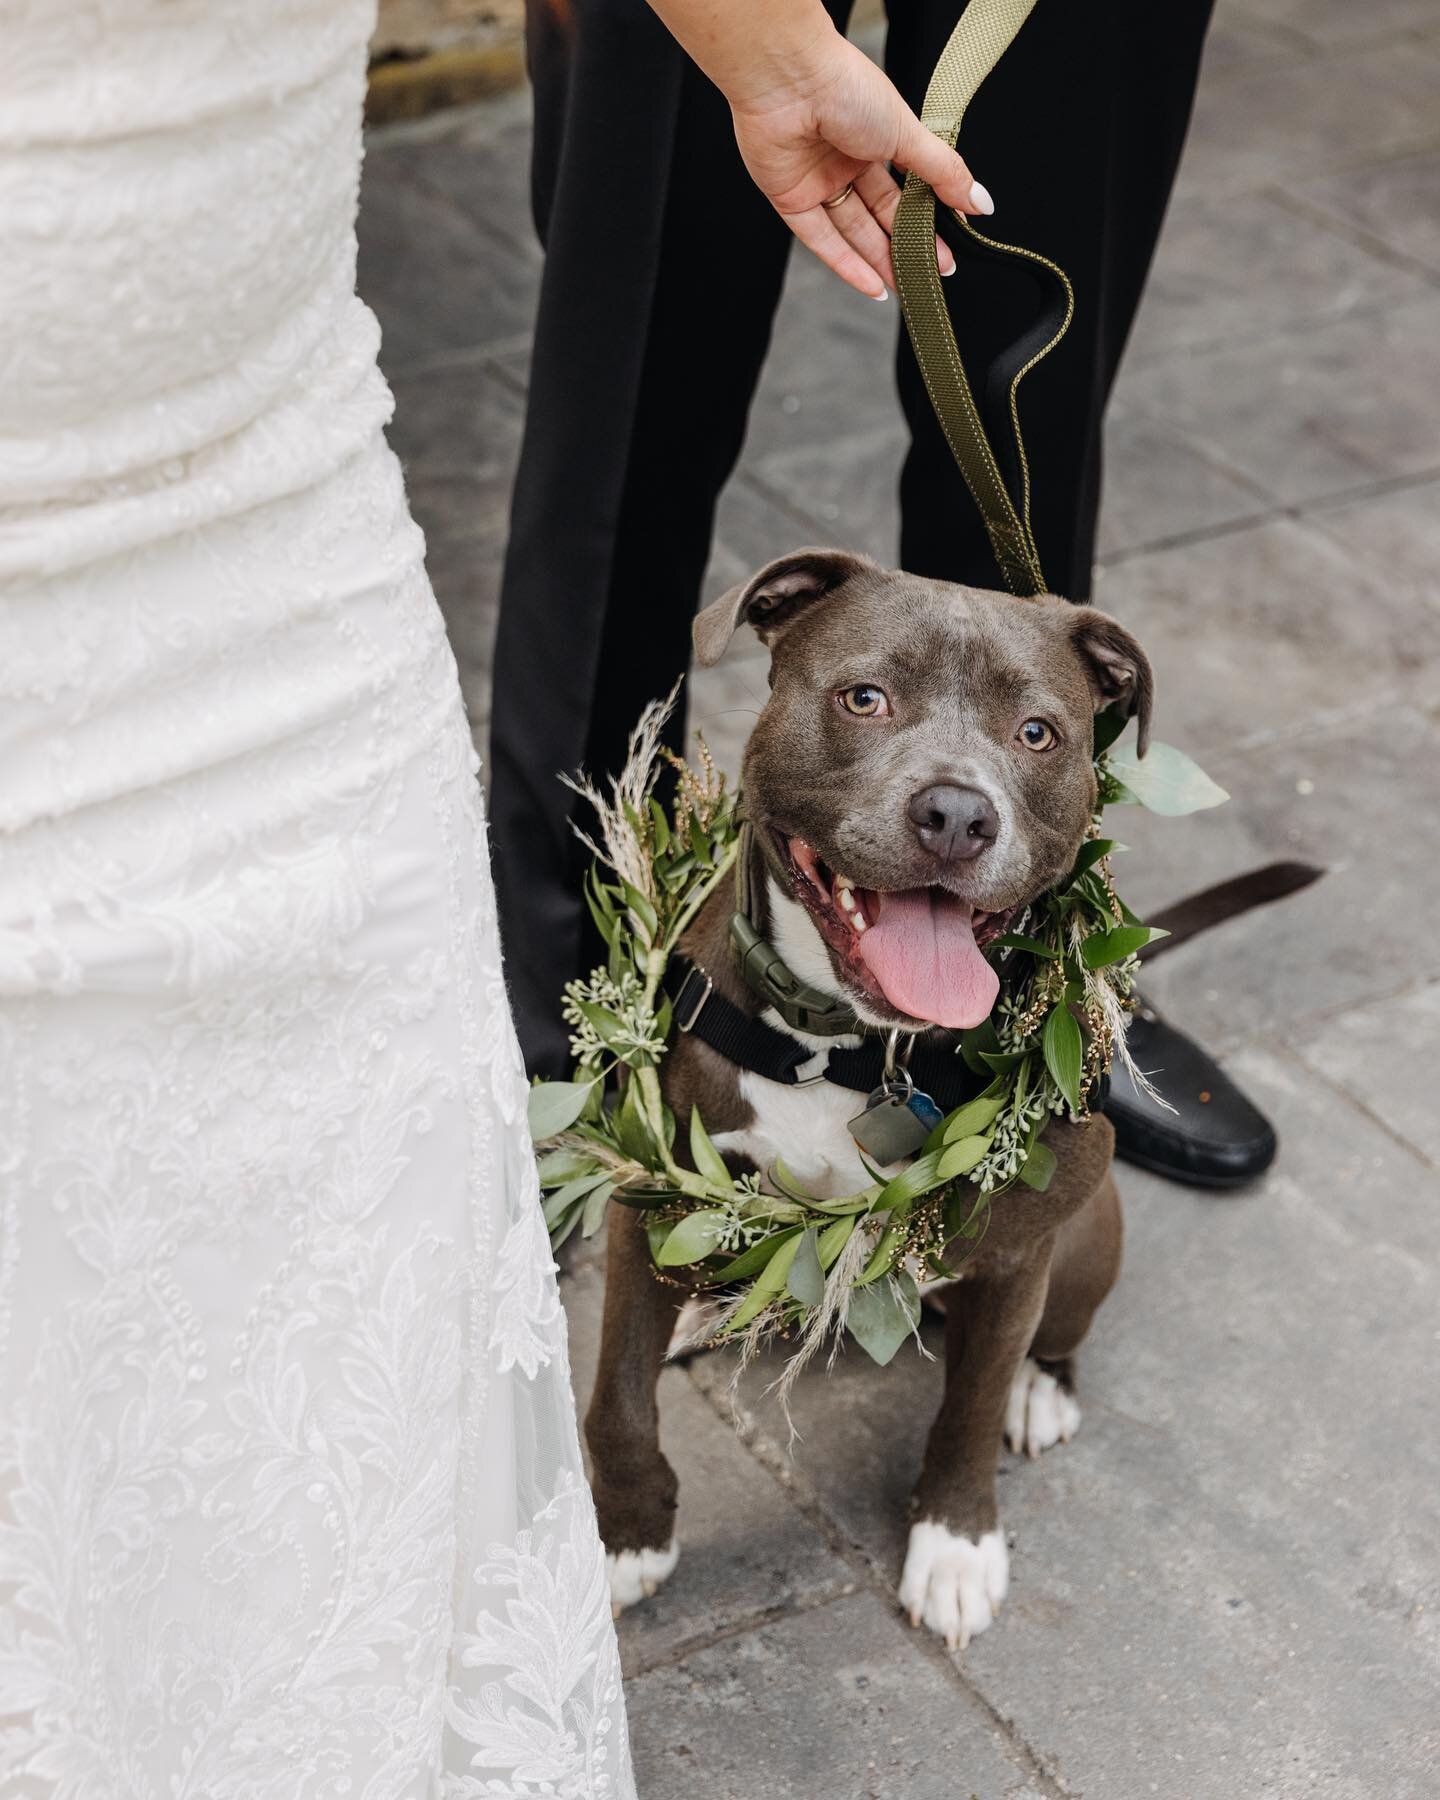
x=1317 y=728
x=1346 y=227
x=1328 y=51
x=488 y=233
x=1324 y=1015
x=1167 y=357
x=1214 y=456
x=866 y=1569
x=762 y=489
x=1358 y=164
x=745 y=1627
x=1179 y=540
x=467 y=356
x=1294 y=1054
x=1298 y=512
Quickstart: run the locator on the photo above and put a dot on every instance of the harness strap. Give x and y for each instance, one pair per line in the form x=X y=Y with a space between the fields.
x=999 y=484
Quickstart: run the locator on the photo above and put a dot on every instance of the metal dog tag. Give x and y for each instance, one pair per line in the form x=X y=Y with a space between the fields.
x=896 y=1121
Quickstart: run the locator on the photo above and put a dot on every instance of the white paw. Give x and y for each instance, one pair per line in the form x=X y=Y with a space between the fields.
x=954 y=1583
x=1040 y=1412
x=636 y=1574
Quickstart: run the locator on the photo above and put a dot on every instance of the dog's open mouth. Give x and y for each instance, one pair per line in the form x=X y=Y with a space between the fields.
x=919 y=950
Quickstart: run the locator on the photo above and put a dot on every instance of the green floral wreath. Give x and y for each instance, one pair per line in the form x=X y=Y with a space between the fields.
x=781 y=1260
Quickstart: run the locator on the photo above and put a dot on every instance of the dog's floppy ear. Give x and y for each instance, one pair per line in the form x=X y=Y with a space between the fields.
x=1118 y=669
x=771 y=599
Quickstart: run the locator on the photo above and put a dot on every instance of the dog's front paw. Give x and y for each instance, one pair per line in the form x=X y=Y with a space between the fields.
x=954 y=1583
x=637 y=1574
x=1040 y=1412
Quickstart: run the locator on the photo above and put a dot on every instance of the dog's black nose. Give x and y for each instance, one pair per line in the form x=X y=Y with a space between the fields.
x=954 y=823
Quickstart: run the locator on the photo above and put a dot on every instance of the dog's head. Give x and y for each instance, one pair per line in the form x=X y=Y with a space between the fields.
x=921 y=769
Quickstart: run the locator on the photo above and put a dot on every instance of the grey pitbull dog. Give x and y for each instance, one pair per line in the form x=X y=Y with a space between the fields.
x=921 y=770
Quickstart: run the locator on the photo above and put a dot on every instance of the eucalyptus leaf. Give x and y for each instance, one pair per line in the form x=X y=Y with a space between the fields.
x=881 y=1317
x=556 y=1167
x=557 y=1203
x=806 y=1280
x=1016 y=940
x=1091 y=853
x=752 y=1261
x=961 y=1157
x=973 y=1116
x=1039 y=1167
x=922 y=1175
x=595 y=1206
x=773 y=1276
x=978 y=1042
x=609 y=1026
x=1109 y=724
x=1165 y=780
x=834 y=1238
x=553 y=1106
x=708 y=1160
x=641 y=909
x=692 y=1239
x=659 y=827
x=631 y=1131
x=1064 y=1053
x=565 y=1229
x=1114 y=946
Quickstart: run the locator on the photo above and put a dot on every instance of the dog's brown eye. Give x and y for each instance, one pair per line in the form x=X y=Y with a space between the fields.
x=865 y=702
x=1035 y=734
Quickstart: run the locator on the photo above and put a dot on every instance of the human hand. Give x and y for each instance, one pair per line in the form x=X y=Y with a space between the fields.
x=833 y=122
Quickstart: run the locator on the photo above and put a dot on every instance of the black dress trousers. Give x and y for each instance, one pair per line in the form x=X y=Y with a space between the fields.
x=663 y=269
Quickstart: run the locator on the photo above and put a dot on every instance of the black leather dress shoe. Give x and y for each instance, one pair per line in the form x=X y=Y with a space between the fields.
x=1215 y=1138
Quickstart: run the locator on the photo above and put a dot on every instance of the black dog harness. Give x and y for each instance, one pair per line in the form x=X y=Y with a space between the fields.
x=749 y=1043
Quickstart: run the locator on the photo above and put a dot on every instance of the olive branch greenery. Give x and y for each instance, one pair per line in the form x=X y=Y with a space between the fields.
x=780 y=1259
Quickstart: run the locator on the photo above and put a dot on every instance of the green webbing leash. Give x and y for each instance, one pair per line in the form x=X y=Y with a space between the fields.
x=985 y=31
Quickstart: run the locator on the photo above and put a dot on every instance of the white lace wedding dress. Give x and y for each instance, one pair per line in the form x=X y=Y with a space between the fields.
x=290 y=1494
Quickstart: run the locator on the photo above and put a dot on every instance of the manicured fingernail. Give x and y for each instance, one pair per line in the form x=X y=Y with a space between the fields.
x=950 y=271
x=882 y=295
x=980 y=198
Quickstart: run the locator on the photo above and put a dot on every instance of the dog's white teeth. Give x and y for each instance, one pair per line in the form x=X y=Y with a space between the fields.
x=846 y=898
x=857 y=919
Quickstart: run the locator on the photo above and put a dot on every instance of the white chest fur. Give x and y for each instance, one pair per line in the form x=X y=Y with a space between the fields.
x=804 y=1127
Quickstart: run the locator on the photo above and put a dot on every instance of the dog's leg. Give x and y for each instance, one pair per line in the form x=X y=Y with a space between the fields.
x=957 y=1567
x=1043 y=1409
x=634 y=1486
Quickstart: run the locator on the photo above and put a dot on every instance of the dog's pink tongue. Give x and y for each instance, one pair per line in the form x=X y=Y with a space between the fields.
x=922 y=951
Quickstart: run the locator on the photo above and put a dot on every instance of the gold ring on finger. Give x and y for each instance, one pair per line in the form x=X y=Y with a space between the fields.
x=840 y=198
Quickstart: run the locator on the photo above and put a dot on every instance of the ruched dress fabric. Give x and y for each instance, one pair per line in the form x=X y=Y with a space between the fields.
x=291 y=1501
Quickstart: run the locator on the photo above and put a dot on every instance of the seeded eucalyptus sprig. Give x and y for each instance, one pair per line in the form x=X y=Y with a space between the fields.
x=781 y=1259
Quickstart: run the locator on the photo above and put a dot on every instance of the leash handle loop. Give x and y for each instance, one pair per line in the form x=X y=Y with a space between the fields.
x=985 y=30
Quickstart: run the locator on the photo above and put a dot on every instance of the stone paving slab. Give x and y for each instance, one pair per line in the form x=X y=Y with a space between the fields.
x=1398 y=531
x=1396 y=203
x=1202 y=291
x=1382 y=1054
x=829 y=1705
x=1296 y=117
x=1335 y=23
x=1245 y=652
x=1310 y=414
